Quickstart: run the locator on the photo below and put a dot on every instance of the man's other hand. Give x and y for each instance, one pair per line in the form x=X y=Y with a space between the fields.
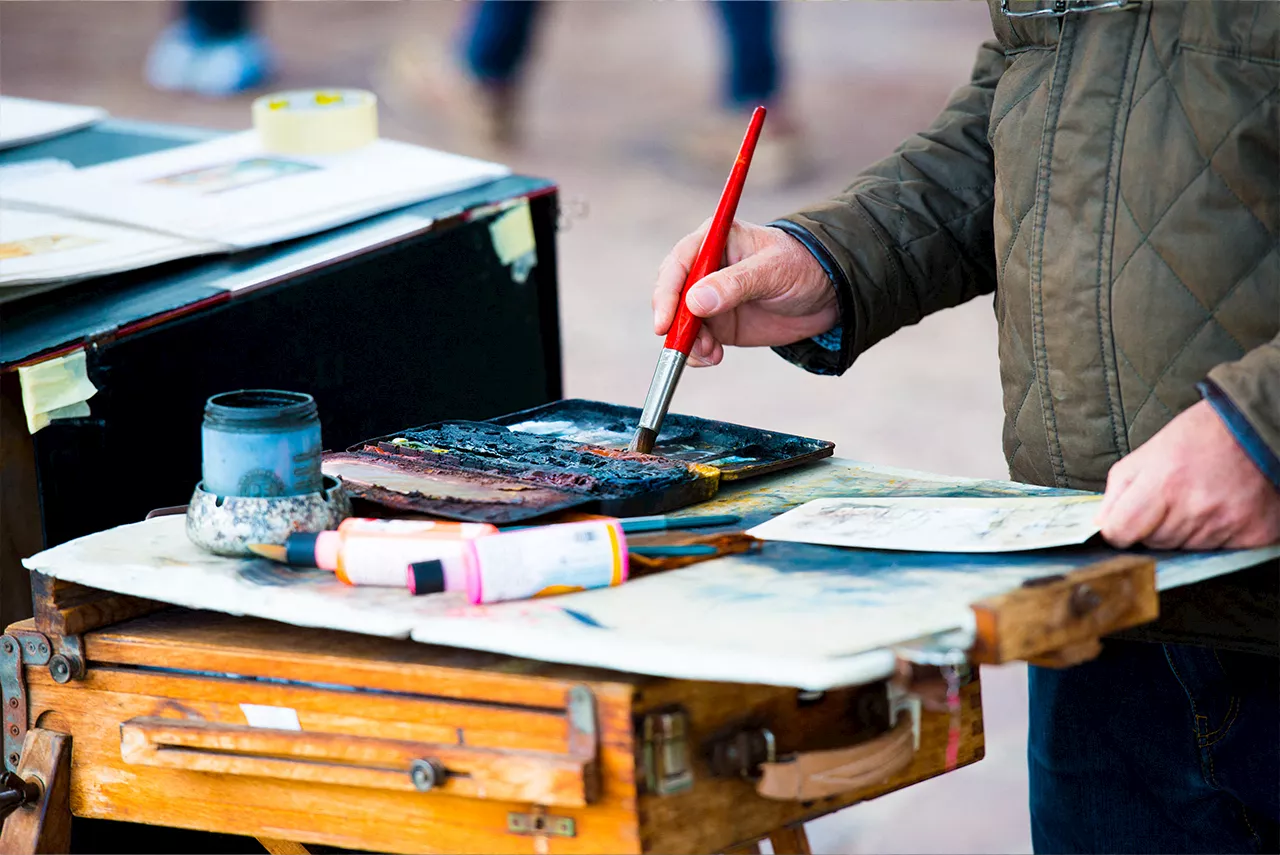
x=1191 y=486
x=772 y=292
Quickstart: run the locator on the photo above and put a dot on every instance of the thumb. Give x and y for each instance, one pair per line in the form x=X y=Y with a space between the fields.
x=753 y=278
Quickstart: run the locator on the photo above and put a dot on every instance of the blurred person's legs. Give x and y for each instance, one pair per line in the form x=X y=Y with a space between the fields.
x=497 y=38
x=212 y=50
x=476 y=91
x=752 y=78
x=1156 y=748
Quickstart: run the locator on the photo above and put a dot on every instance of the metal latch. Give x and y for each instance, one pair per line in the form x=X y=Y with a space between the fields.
x=666 y=752
x=741 y=753
x=532 y=824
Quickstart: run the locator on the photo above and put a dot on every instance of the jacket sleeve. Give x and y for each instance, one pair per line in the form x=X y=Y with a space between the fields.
x=913 y=234
x=1246 y=394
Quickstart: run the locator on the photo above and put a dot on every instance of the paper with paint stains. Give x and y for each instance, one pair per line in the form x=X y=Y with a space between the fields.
x=794 y=614
x=939 y=524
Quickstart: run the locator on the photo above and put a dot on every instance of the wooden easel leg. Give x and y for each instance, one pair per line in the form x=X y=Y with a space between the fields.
x=790 y=840
x=45 y=825
x=283 y=847
x=752 y=848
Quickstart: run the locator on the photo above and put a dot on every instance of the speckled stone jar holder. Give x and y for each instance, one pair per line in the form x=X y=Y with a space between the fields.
x=226 y=525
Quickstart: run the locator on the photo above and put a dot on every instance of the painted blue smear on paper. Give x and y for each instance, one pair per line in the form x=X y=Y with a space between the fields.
x=583 y=618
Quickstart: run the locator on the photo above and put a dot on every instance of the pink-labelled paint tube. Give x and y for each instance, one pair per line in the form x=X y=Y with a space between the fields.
x=375 y=552
x=531 y=562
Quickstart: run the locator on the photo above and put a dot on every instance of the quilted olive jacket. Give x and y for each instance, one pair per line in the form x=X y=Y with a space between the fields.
x=1113 y=176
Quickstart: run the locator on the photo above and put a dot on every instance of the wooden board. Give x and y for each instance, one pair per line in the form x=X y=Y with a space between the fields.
x=399 y=693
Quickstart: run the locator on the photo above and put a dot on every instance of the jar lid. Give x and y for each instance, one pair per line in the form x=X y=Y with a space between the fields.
x=259 y=409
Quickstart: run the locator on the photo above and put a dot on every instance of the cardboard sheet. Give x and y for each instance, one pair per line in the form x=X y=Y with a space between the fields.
x=812 y=617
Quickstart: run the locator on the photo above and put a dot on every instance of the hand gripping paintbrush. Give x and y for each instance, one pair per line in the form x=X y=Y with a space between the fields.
x=685 y=327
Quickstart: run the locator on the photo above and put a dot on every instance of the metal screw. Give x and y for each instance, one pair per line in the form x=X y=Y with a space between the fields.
x=60 y=669
x=427 y=774
x=44 y=648
x=1084 y=600
x=13 y=703
x=8 y=646
x=13 y=729
x=13 y=759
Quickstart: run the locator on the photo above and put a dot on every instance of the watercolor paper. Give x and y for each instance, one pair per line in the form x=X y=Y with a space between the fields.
x=794 y=614
x=939 y=524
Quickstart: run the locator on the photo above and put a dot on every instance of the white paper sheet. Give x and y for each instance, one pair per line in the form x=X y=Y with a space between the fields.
x=25 y=121
x=812 y=617
x=230 y=191
x=942 y=524
x=51 y=248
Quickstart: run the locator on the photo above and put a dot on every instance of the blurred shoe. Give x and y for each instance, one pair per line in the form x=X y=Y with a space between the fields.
x=780 y=159
x=171 y=58
x=183 y=59
x=428 y=90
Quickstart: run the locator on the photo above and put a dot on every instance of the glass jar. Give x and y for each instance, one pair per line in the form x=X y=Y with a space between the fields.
x=261 y=443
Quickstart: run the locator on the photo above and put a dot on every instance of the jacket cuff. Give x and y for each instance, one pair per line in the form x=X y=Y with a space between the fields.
x=1262 y=455
x=832 y=352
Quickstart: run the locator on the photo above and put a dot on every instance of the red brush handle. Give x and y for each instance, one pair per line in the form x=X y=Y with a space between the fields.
x=684 y=330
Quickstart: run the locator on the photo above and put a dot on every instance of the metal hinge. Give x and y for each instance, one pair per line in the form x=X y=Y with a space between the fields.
x=665 y=739
x=537 y=823
x=65 y=657
x=13 y=694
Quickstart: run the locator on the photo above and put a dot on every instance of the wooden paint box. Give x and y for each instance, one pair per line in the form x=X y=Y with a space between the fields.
x=207 y=721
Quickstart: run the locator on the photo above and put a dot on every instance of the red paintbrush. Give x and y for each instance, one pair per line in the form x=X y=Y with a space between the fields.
x=685 y=327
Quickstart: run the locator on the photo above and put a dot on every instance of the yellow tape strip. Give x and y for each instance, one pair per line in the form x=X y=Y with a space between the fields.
x=56 y=389
x=512 y=233
x=512 y=237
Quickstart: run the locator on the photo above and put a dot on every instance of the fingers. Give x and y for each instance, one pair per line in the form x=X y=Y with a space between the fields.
x=706 y=350
x=1118 y=480
x=1209 y=535
x=753 y=278
x=1136 y=514
x=671 y=276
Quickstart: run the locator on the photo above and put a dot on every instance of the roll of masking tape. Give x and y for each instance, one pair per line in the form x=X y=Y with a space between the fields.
x=323 y=121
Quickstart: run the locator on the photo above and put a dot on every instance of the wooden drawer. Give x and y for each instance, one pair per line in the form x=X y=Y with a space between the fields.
x=206 y=721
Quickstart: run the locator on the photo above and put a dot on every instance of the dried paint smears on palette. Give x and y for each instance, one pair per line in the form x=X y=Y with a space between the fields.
x=736 y=450
x=566 y=455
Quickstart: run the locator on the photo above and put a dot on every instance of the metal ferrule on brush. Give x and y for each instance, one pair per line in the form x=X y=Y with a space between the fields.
x=665 y=377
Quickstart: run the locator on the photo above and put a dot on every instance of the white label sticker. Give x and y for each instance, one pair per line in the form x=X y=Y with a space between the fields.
x=273 y=718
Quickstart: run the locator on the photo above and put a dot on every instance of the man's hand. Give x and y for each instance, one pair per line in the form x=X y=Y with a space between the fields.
x=1191 y=486
x=773 y=292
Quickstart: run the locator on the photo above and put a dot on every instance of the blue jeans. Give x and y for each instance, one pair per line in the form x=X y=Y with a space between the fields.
x=1156 y=748
x=218 y=19
x=498 y=41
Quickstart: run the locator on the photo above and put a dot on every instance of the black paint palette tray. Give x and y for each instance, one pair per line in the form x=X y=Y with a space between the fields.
x=565 y=455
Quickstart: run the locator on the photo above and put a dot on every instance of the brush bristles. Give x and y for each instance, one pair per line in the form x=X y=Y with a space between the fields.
x=643 y=441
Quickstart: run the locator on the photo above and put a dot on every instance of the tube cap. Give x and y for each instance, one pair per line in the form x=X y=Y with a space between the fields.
x=300 y=548
x=426 y=577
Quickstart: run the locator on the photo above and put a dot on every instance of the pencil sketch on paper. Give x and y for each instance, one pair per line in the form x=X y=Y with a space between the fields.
x=938 y=524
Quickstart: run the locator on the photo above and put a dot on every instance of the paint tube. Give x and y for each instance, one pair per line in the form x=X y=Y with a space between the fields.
x=375 y=552
x=531 y=562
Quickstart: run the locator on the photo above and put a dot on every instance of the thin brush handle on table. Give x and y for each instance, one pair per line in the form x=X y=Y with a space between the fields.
x=685 y=327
